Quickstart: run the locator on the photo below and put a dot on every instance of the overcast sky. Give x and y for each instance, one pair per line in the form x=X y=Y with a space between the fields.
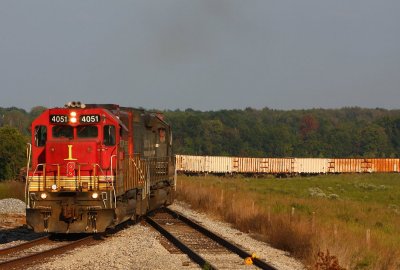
x=201 y=54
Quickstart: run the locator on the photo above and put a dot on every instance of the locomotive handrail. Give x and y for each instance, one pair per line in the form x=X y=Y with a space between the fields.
x=34 y=172
x=142 y=175
x=143 y=169
x=158 y=167
x=108 y=179
x=79 y=173
x=138 y=169
x=28 y=153
x=97 y=173
x=27 y=184
x=44 y=165
x=112 y=174
x=58 y=173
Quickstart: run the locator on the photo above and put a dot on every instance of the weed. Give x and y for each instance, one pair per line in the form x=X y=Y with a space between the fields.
x=327 y=262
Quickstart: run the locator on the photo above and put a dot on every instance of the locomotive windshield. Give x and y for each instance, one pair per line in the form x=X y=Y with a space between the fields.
x=83 y=131
x=63 y=132
x=87 y=131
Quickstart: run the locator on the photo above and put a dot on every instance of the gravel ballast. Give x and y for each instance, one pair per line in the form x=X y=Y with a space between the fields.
x=138 y=247
x=12 y=206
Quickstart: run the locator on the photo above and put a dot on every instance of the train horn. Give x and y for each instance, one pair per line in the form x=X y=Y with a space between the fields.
x=75 y=104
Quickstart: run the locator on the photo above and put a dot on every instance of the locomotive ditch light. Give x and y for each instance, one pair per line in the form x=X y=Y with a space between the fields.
x=95 y=195
x=54 y=187
x=43 y=195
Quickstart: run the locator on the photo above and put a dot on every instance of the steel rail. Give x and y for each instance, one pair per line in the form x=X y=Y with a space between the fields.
x=230 y=246
x=23 y=246
x=194 y=256
x=30 y=259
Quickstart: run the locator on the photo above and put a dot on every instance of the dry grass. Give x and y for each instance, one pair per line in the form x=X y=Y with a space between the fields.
x=300 y=232
x=245 y=215
x=12 y=189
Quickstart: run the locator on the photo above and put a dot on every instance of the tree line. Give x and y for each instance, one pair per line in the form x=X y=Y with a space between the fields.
x=345 y=132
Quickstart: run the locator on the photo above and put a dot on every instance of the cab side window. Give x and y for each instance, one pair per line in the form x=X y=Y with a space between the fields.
x=161 y=135
x=40 y=135
x=109 y=135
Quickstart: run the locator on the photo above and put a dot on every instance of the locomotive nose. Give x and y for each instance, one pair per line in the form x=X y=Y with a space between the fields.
x=72 y=152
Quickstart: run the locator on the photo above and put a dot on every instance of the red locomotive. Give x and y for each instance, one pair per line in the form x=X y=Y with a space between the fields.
x=94 y=166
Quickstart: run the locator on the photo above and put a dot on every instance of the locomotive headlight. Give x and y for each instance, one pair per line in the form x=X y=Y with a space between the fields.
x=73 y=117
x=54 y=187
x=95 y=195
x=43 y=196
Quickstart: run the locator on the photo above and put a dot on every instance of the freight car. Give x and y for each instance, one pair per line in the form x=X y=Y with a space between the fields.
x=91 y=167
x=284 y=166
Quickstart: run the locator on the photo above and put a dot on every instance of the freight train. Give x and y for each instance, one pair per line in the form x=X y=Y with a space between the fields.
x=93 y=166
x=283 y=166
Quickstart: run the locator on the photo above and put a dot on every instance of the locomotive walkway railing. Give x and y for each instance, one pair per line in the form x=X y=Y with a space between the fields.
x=143 y=172
x=48 y=177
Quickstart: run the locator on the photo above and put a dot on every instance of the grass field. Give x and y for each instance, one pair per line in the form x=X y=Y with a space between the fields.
x=356 y=217
x=12 y=189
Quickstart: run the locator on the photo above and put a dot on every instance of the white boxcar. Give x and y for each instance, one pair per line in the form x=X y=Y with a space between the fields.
x=311 y=165
x=218 y=164
x=246 y=165
x=281 y=165
x=203 y=164
x=263 y=165
x=186 y=163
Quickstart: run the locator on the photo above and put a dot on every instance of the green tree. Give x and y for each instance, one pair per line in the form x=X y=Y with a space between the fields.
x=12 y=152
x=213 y=140
x=392 y=129
x=373 y=141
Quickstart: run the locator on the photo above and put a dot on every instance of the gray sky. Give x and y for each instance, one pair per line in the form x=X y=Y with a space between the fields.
x=201 y=54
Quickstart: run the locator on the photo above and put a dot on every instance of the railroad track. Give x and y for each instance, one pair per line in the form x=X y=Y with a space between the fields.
x=204 y=247
x=35 y=251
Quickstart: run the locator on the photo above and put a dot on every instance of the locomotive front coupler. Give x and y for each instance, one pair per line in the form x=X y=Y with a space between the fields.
x=46 y=213
x=92 y=218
